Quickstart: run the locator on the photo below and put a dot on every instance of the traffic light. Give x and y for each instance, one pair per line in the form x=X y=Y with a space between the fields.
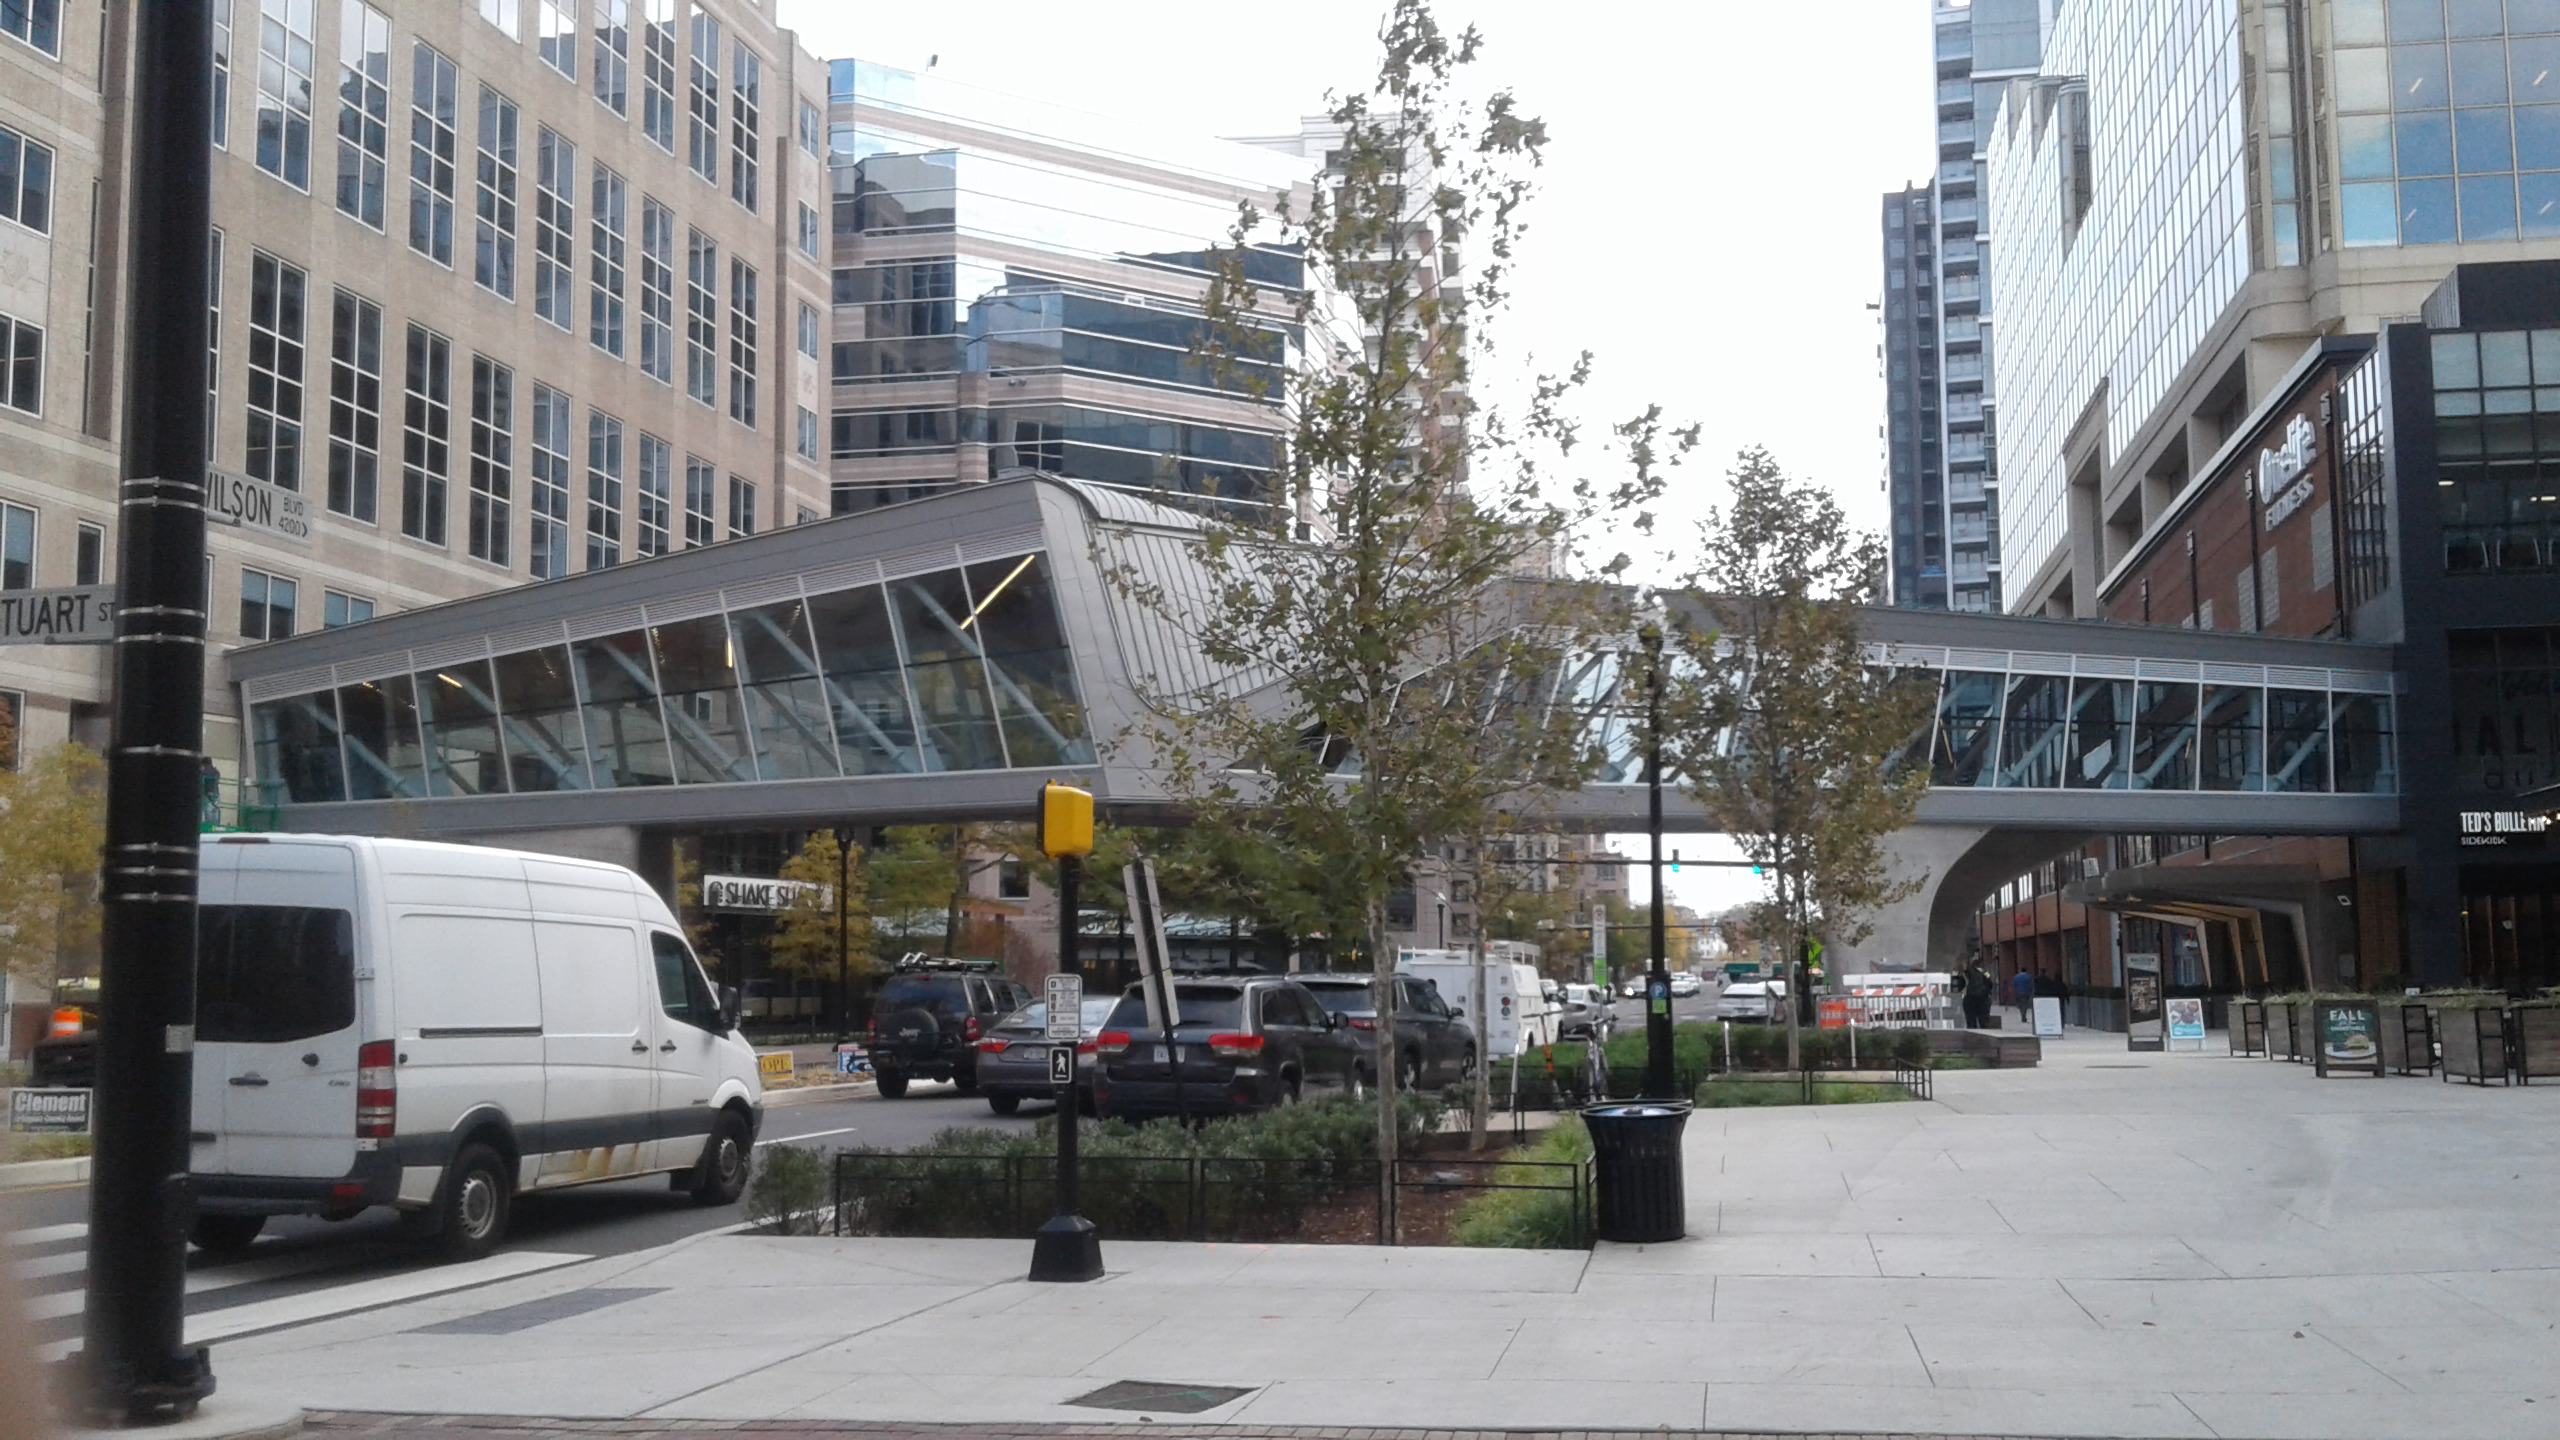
x=1675 y=862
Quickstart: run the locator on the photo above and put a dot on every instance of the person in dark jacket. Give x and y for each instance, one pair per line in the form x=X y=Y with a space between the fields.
x=1980 y=991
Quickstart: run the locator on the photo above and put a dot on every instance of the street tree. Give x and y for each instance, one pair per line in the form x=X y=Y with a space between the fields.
x=1780 y=723
x=52 y=825
x=824 y=930
x=1385 y=662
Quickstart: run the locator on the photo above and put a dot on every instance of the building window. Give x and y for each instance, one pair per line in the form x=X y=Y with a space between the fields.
x=2364 y=475
x=502 y=13
x=26 y=181
x=364 y=110
x=613 y=55
x=746 y=95
x=431 y=155
x=17 y=547
x=2497 y=517
x=604 y=491
x=426 y=428
x=493 y=460
x=657 y=458
x=658 y=74
x=700 y=481
x=37 y=23
x=89 y=554
x=812 y=131
x=556 y=35
x=702 y=317
x=221 y=72
x=742 y=507
x=355 y=405
x=809 y=231
x=1013 y=880
x=266 y=606
x=338 y=610
x=493 y=252
x=806 y=443
x=742 y=343
x=657 y=290
x=550 y=483
x=806 y=329
x=21 y=366
x=284 y=91
x=555 y=220
x=702 y=130
x=275 y=372
x=605 y=239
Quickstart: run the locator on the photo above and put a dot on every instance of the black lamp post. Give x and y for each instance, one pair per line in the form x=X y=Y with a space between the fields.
x=1658 y=1082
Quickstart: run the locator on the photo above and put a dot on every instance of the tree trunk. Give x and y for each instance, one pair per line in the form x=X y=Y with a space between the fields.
x=1382 y=969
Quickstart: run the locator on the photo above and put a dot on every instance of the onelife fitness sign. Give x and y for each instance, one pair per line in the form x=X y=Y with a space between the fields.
x=2284 y=471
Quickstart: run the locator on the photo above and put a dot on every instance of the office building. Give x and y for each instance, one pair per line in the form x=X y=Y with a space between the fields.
x=502 y=292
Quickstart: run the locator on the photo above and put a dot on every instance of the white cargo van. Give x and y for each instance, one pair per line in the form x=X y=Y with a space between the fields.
x=1519 y=1017
x=438 y=1027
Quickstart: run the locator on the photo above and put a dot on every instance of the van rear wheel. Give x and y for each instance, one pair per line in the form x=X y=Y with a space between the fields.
x=472 y=1206
x=227 y=1234
x=720 y=1177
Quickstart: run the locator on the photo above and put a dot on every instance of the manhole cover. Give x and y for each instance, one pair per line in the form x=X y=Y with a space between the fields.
x=1172 y=1399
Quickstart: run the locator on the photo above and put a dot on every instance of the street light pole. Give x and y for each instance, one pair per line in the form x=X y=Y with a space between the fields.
x=136 y=1366
x=1658 y=1082
x=844 y=982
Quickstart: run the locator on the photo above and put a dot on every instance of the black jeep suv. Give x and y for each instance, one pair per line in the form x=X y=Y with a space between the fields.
x=926 y=1023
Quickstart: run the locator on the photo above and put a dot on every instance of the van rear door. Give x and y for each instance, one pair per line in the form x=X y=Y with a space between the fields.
x=276 y=1011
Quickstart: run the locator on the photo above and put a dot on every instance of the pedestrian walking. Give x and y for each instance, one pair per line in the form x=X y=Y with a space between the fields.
x=1980 y=991
x=2022 y=990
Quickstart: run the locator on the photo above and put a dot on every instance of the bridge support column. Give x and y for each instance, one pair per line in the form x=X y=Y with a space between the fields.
x=1935 y=926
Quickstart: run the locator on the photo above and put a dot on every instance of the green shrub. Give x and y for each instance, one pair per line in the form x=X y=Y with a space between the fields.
x=1544 y=1219
x=789 y=1192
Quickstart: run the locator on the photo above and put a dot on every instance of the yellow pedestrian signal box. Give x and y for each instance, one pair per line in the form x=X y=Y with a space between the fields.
x=1066 y=821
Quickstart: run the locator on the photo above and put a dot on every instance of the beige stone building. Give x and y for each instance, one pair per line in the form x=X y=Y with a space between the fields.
x=505 y=289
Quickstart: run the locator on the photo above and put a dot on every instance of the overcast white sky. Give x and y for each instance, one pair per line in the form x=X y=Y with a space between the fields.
x=1707 y=223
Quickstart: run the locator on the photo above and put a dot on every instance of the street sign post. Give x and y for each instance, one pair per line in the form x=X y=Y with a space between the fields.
x=1066 y=1247
x=76 y=615
x=1062 y=997
x=1062 y=1072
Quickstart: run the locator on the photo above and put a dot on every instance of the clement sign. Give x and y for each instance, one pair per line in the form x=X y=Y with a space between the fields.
x=2286 y=468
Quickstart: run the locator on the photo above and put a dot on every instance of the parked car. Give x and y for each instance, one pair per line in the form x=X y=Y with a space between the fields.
x=929 y=1018
x=1013 y=1057
x=1243 y=1044
x=1685 y=983
x=1437 y=1043
x=1590 y=1013
x=1752 y=1000
x=1632 y=988
x=432 y=1027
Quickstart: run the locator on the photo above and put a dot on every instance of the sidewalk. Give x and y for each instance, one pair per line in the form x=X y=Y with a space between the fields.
x=2109 y=1245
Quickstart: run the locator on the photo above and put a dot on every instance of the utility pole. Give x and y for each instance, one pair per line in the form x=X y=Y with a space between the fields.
x=1658 y=1082
x=135 y=1365
x=844 y=981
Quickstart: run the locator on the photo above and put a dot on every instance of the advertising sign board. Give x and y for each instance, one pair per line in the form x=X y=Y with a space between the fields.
x=2349 y=1036
x=2143 y=1024
x=2186 y=1023
x=49 y=1112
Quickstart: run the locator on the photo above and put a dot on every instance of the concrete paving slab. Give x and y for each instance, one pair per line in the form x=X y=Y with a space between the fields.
x=1459 y=1346
x=1489 y=1404
x=1744 y=1299
x=1848 y=1354
x=2370 y=1416
x=2413 y=1301
x=1844 y=1410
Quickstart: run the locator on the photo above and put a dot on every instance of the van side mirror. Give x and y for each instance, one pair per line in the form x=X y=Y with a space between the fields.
x=728 y=1008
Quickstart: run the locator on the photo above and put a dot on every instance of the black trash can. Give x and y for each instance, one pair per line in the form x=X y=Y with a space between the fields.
x=1635 y=1153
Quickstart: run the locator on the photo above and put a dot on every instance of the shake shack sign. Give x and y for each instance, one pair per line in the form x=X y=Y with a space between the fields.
x=745 y=894
x=2521 y=829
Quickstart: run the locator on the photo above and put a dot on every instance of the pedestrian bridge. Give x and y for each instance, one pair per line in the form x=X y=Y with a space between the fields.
x=938 y=661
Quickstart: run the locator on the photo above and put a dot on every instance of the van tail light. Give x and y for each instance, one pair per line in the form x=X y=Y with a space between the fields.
x=969 y=1028
x=1111 y=1042
x=993 y=1045
x=1364 y=1022
x=1235 y=1047
x=377 y=1090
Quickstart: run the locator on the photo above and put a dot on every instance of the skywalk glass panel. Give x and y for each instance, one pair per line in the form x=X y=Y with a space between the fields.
x=866 y=689
x=384 y=761
x=458 y=716
x=2164 y=735
x=2298 y=741
x=786 y=700
x=546 y=740
x=297 y=742
x=956 y=711
x=698 y=684
x=1592 y=686
x=2361 y=744
x=1014 y=617
x=1914 y=749
x=626 y=731
x=2228 y=738
x=2101 y=734
x=1968 y=729
x=2034 y=735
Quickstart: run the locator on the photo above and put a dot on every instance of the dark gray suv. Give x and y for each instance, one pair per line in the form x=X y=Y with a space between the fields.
x=928 y=1020
x=1245 y=1044
x=1438 y=1046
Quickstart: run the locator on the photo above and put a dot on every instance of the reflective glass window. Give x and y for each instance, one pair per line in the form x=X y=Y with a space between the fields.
x=1014 y=613
x=2164 y=736
x=2425 y=142
x=2488 y=207
x=698 y=684
x=1968 y=729
x=866 y=690
x=538 y=698
x=1913 y=751
x=2417 y=77
x=2484 y=141
x=2538 y=204
x=2479 y=72
x=458 y=717
x=2228 y=738
x=625 y=728
x=2298 y=741
x=2101 y=734
x=2357 y=22
x=2533 y=69
x=2475 y=17
x=2370 y=214
x=2417 y=19
x=2362 y=79
x=786 y=706
x=297 y=742
x=943 y=669
x=2033 y=739
x=2426 y=212
x=2364 y=147
x=384 y=761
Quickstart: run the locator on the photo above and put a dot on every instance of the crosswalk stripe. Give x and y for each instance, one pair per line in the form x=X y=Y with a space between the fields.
x=368 y=1294
x=46 y=1266
x=45 y=1234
